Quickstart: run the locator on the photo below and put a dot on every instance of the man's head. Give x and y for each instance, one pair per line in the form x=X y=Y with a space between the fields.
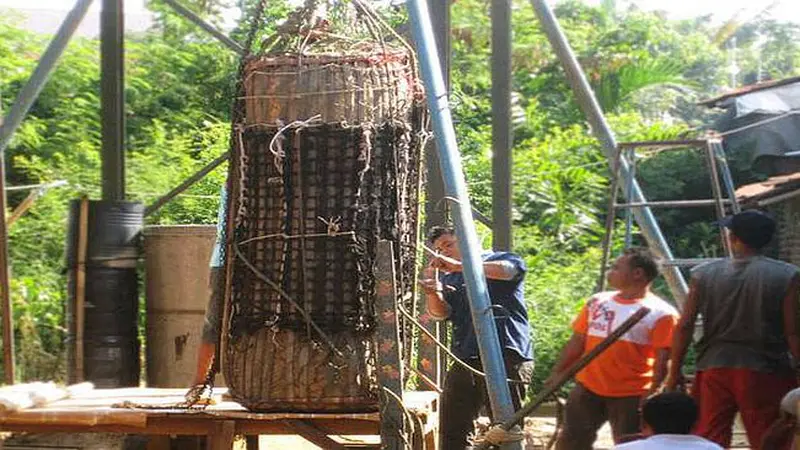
x=669 y=413
x=443 y=240
x=791 y=402
x=749 y=230
x=635 y=268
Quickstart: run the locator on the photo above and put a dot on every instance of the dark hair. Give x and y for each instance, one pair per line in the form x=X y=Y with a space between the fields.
x=642 y=258
x=670 y=413
x=753 y=227
x=439 y=231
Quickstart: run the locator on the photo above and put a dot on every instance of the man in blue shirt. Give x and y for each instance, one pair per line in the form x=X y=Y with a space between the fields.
x=210 y=335
x=446 y=298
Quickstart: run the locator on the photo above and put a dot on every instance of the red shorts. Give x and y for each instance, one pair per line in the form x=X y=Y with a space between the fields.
x=720 y=393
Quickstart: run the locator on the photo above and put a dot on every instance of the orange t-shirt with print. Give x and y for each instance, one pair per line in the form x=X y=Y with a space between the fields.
x=625 y=369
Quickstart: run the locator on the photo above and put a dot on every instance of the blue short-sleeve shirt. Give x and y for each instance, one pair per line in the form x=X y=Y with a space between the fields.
x=508 y=301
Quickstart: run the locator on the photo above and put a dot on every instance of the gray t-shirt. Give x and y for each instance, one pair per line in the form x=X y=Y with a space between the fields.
x=741 y=305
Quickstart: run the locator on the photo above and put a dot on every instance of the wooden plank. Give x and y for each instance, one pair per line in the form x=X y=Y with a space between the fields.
x=196 y=425
x=78 y=418
x=390 y=374
x=5 y=294
x=159 y=443
x=221 y=435
x=80 y=287
x=23 y=207
x=330 y=426
x=314 y=434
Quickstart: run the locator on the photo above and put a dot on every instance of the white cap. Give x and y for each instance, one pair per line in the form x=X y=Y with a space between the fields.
x=790 y=401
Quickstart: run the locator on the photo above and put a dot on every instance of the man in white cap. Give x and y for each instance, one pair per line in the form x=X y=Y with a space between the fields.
x=782 y=432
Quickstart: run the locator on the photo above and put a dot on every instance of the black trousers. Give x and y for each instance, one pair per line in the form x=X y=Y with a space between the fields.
x=465 y=394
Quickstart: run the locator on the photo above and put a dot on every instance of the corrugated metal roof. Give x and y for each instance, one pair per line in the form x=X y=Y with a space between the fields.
x=713 y=102
x=768 y=188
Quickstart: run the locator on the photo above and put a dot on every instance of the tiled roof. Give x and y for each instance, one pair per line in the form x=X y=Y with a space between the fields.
x=712 y=102
x=768 y=188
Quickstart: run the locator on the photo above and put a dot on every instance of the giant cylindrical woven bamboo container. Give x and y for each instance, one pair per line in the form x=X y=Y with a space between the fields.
x=325 y=163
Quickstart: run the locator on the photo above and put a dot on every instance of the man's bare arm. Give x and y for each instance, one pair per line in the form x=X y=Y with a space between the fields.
x=494 y=270
x=500 y=270
x=660 y=368
x=683 y=337
x=569 y=354
x=437 y=307
x=433 y=288
x=790 y=325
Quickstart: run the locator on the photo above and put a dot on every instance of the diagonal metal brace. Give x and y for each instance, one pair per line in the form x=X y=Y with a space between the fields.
x=210 y=29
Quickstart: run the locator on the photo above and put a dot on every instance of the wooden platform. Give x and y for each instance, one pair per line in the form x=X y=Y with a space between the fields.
x=221 y=421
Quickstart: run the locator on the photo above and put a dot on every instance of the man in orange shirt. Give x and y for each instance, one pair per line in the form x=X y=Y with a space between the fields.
x=612 y=387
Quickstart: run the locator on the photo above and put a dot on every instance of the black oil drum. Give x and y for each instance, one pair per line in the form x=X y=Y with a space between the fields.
x=111 y=345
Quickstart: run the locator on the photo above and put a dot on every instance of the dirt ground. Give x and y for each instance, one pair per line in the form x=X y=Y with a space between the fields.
x=538 y=430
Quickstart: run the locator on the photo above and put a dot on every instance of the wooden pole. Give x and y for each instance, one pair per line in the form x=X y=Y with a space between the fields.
x=8 y=316
x=80 y=286
x=22 y=207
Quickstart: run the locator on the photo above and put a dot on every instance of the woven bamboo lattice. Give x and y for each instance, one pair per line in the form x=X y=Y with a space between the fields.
x=326 y=160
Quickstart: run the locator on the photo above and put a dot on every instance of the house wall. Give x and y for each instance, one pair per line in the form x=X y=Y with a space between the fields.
x=786 y=246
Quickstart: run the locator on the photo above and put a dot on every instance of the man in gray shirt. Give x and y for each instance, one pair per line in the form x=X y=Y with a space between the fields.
x=749 y=350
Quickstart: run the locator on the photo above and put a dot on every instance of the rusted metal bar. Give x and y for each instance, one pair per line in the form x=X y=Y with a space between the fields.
x=207 y=27
x=673 y=144
x=688 y=262
x=716 y=188
x=573 y=370
x=610 y=219
x=631 y=177
x=727 y=179
x=672 y=204
x=186 y=184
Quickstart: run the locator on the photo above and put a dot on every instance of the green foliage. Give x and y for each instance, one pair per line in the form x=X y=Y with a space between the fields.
x=618 y=85
x=645 y=69
x=178 y=101
x=649 y=73
x=556 y=288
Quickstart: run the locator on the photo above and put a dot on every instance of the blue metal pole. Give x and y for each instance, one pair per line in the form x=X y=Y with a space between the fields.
x=455 y=186
x=36 y=82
